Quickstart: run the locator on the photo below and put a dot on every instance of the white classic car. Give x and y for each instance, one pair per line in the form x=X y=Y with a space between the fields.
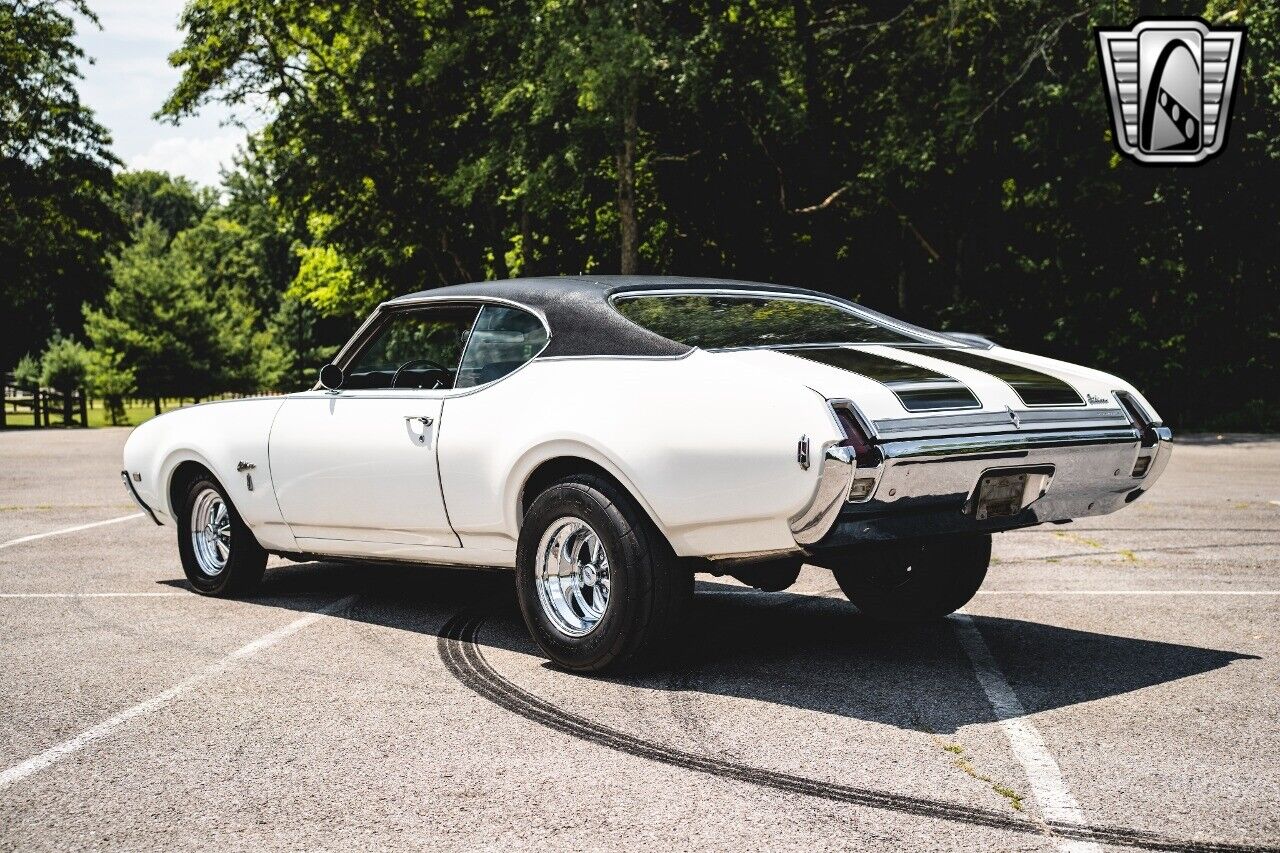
x=609 y=437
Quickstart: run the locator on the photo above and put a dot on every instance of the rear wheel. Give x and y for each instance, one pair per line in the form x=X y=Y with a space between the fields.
x=599 y=587
x=915 y=581
x=220 y=555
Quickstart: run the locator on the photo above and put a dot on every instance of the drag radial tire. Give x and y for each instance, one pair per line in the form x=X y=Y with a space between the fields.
x=915 y=581
x=599 y=587
x=220 y=555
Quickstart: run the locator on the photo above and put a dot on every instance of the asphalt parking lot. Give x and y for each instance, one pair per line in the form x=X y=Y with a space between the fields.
x=1114 y=686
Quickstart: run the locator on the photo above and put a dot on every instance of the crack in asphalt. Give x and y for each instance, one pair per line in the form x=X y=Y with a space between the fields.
x=464 y=660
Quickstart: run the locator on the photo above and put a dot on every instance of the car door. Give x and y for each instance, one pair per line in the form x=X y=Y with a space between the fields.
x=358 y=465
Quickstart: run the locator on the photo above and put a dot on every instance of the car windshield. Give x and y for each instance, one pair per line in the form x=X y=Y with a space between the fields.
x=718 y=321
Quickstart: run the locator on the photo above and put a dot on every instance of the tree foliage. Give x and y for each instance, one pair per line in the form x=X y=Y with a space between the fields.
x=55 y=173
x=947 y=161
x=64 y=364
x=158 y=319
x=173 y=203
x=111 y=379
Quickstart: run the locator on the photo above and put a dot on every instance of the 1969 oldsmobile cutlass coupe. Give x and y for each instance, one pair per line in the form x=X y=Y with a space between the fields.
x=609 y=437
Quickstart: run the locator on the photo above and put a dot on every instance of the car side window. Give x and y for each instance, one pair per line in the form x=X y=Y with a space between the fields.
x=504 y=339
x=415 y=349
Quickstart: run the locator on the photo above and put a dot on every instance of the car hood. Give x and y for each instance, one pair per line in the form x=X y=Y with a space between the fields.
x=907 y=391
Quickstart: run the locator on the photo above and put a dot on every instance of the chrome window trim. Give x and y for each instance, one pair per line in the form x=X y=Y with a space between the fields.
x=394 y=306
x=602 y=356
x=857 y=310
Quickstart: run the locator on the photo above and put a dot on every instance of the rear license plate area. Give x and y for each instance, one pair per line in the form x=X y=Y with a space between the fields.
x=1000 y=495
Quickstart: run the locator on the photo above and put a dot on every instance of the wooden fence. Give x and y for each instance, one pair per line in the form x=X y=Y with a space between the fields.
x=45 y=406
x=26 y=406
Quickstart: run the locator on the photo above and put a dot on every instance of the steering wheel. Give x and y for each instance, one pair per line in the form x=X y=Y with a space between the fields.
x=416 y=362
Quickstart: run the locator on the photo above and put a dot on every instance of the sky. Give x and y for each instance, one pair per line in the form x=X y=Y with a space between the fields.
x=129 y=80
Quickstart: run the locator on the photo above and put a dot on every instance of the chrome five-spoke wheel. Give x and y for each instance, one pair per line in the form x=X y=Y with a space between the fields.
x=571 y=572
x=210 y=532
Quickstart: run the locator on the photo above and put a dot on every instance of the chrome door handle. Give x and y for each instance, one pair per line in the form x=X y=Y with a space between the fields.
x=426 y=422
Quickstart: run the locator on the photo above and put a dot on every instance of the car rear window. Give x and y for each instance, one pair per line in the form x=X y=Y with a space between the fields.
x=716 y=321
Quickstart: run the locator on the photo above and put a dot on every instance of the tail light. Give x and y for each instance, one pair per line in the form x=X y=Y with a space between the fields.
x=866 y=454
x=856 y=438
x=1149 y=438
x=1139 y=418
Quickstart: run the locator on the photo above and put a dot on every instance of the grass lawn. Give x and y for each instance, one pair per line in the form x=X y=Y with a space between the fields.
x=134 y=415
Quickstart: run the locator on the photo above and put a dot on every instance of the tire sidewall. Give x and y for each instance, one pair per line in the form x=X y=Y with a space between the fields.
x=626 y=564
x=948 y=570
x=239 y=562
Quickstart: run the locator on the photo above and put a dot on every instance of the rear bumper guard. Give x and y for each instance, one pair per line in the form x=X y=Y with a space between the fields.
x=924 y=486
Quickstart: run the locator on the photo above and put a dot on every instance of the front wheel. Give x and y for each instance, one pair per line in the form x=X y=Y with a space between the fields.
x=915 y=581
x=220 y=555
x=599 y=587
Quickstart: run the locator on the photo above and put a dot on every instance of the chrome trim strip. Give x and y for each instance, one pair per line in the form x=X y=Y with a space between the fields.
x=1001 y=419
x=966 y=445
x=133 y=493
x=682 y=355
x=1068 y=415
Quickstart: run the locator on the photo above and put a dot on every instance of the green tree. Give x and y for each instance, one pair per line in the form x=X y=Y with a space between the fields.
x=948 y=161
x=158 y=320
x=111 y=380
x=55 y=175
x=174 y=203
x=63 y=367
x=297 y=350
x=27 y=372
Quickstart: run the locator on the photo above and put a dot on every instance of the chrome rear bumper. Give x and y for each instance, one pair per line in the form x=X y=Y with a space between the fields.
x=925 y=486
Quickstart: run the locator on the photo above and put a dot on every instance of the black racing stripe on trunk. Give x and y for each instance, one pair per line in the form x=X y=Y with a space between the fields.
x=919 y=389
x=1032 y=386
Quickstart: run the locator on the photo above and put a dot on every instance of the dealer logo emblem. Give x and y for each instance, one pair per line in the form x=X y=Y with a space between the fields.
x=1170 y=84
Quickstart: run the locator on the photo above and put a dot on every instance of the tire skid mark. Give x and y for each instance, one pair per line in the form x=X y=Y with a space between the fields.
x=462 y=657
x=687 y=716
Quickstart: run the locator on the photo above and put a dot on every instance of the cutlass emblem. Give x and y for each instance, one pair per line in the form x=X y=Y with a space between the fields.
x=1013 y=416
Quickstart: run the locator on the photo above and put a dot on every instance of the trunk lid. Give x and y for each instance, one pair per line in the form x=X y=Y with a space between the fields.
x=906 y=392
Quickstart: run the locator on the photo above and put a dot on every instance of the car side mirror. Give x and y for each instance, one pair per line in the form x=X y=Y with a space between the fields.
x=331 y=377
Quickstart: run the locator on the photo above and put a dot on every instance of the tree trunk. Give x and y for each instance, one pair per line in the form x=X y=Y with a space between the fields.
x=66 y=407
x=629 y=227
x=157 y=402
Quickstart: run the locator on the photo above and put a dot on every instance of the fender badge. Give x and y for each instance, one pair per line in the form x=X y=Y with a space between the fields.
x=1013 y=416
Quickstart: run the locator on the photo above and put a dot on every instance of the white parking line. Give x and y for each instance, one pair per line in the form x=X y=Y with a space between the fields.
x=1048 y=787
x=90 y=594
x=1129 y=592
x=35 y=536
x=104 y=728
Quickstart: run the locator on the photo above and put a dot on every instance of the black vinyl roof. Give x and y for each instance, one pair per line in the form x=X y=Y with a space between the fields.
x=581 y=319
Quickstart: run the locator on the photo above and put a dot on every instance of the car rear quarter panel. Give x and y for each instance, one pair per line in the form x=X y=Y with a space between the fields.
x=218 y=435
x=707 y=448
